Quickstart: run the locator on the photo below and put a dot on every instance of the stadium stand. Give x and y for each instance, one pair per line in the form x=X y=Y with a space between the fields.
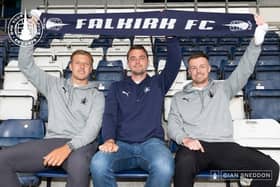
x=19 y=99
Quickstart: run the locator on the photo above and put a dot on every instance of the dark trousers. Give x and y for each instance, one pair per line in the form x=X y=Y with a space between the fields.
x=222 y=156
x=28 y=157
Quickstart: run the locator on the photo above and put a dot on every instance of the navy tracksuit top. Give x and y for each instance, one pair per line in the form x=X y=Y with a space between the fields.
x=133 y=111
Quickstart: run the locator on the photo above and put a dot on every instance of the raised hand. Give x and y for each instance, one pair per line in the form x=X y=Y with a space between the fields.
x=261 y=30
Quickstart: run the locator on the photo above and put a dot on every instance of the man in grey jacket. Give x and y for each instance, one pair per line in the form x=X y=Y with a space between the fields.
x=200 y=121
x=75 y=114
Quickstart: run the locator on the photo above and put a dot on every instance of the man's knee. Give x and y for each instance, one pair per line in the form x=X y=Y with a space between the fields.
x=275 y=169
x=78 y=163
x=186 y=164
x=4 y=159
x=163 y=166
x=99 y=164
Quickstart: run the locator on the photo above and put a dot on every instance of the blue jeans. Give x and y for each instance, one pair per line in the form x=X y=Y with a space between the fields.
x=152 y=156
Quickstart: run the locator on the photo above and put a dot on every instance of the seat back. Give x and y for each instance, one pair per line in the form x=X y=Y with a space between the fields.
x=263 y=99
x=110 y=71
x=268 y=67
x=43 y=108
x=17 y=104
x=16 y=131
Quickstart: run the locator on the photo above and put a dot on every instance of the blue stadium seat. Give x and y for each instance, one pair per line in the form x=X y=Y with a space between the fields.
x=207 y=40
x=263 y=98
x=268 y=67
x=227 y=67
x=43 y=108
x=50 y=174
x=104 y=42
x=103 y=86
x=110 y=71
x=16 y=131
x=187 y=41
x=233 y=41
x=28 y=179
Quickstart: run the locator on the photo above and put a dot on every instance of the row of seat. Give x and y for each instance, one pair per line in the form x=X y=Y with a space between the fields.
x=17 y=131
x=17 y=87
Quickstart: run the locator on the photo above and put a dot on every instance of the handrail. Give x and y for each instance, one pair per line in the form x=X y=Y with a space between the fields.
x=165 y=5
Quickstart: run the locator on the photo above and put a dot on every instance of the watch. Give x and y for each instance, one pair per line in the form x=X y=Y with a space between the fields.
x=70 y=145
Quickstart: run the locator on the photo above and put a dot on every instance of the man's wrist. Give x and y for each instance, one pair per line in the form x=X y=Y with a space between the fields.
x=110 y=141
x=70 y=146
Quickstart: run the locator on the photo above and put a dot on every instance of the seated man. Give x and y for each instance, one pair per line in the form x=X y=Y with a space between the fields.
x=131 y=127
x=200 y=121
x=74 y=121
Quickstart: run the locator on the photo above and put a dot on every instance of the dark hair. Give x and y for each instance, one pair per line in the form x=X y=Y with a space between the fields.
x=198 y=55
x=139 y=47
x=81 y=52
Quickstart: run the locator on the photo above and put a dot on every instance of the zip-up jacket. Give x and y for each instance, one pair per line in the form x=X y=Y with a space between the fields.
x=204 y=114
x=74 y=112
x=133 y=111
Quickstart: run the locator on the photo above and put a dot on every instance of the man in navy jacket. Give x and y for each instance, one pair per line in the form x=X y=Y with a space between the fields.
x=131 y=129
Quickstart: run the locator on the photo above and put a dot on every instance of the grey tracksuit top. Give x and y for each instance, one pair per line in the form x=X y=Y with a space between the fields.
x=74 y=112
x=204 y=114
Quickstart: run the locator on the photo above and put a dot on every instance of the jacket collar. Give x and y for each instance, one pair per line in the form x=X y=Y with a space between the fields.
x=189 y=87
x=67 y=83
x=130 y=81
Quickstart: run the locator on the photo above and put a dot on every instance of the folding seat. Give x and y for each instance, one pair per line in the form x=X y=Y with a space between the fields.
x=117 y=53
x=103 y=42
x=245 y=40
x=263 y=99
x=103 y=86
x=122 y=41
x=207 y=41
x=142 y=40
x=227 y=67
x=262 y=134
x=43 y=108
x=239 y=51
x=271 y=48
x=187 y=41
x=233 y=41
x=271 y=37
x=17 y=104
x=215 y=60
x=1 y=72
x=225 y=49
x=110 y=71
x=3 y=55
x=268 y=67
x=16 y=131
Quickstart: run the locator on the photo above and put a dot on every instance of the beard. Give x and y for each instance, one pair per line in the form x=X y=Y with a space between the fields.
x=142 y=72
x=200 y=80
